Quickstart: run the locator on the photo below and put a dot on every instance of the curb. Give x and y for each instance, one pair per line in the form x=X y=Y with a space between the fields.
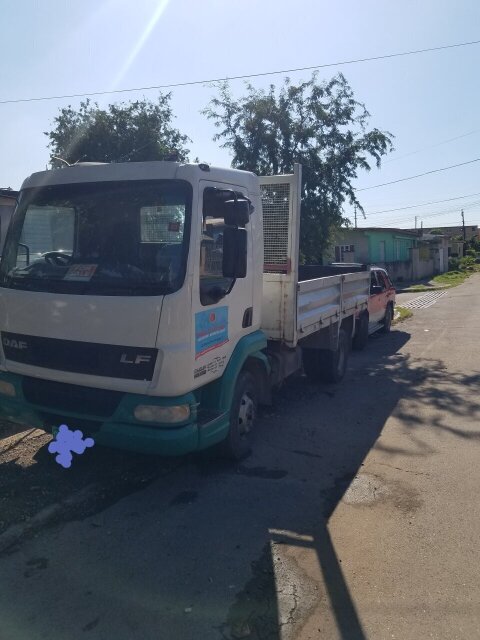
x=408 y=290
x=18 y=531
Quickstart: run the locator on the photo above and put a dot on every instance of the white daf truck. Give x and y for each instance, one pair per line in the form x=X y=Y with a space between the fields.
x=154 y=305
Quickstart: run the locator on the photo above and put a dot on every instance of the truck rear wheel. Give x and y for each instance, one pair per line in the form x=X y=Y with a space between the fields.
x=325 y=365
x=238 y=442
x=360 y=339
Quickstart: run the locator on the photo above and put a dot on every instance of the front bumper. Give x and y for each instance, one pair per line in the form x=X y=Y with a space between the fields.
x=121 y=429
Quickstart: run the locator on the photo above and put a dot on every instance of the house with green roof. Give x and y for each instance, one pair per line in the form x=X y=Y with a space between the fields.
x=404 y=253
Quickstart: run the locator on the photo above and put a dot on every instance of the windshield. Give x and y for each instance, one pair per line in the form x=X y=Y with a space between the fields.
x=103 y=238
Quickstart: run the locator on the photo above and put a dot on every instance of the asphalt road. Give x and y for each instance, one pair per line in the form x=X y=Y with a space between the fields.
x=357 y=517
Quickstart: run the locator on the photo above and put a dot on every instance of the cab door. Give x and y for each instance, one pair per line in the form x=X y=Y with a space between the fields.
x=222 y=306
x=388 y=290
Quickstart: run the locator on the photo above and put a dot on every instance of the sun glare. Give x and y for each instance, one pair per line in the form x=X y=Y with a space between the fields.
x=157 y=14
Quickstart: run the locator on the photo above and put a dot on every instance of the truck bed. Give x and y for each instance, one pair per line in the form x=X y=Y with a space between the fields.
x=330 y=298
x=292 y=313
x=312 y=271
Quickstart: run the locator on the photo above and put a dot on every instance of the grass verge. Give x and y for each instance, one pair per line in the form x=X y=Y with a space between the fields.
x=442 y=281
x=451 y=278
x=401 y=314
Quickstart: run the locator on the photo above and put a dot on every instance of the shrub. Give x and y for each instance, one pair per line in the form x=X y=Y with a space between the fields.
x=467 y=263
x=453 y=264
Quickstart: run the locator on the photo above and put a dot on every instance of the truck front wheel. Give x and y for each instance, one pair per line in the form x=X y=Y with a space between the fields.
x=238 y=442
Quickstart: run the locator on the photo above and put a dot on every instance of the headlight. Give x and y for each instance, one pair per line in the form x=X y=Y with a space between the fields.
x=154 y=413
x=7 y=389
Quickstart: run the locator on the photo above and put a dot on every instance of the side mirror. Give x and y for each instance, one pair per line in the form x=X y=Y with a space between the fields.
x=27 y=252
x=375 y=289
x=232 y=206
x=237 y=212
x=234 y=261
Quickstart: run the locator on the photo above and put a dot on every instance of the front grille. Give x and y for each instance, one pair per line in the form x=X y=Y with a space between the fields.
x=111 y=360
x=70 y=397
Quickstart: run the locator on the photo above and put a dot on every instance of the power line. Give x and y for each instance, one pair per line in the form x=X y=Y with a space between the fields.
x=245 y=76
x=432 y=146
x=395 y=223
x=445 y=212
x=423 y=204
x=419 y=175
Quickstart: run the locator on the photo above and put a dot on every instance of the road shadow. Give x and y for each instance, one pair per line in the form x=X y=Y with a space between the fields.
x=379 y=380
x=175 y=561
x=31 y=480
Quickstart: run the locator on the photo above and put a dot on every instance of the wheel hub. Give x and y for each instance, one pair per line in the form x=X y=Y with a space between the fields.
x=246 y=414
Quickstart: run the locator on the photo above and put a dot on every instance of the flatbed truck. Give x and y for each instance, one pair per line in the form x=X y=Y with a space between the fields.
x=155 y=305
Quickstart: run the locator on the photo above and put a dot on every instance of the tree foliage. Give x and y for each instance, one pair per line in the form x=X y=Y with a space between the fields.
x=320 y=125
x=132 y=131
x=475 y=243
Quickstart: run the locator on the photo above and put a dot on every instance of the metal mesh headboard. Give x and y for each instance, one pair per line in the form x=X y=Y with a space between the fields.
x=276 y=219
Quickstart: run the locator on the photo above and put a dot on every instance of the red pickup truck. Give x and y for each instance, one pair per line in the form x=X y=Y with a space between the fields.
x=381 y=306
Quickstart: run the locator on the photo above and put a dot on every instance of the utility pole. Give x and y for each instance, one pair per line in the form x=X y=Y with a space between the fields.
x=415 y=222
x=355 y=209
x=463 y=227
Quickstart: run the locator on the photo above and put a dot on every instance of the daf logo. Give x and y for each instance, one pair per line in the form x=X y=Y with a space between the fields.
x=14 y=344
x=137 y=360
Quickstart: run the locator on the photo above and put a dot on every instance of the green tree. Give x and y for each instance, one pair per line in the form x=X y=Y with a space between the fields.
x=320 y=125
x=475 y=243
x=132 y=131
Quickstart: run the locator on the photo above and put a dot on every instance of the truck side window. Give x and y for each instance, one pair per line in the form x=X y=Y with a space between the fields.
x=213 y=286
x=382 y=281
x=373 y=280
x=162 y=228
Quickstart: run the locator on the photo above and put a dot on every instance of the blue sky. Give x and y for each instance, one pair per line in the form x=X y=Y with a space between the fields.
x=58 y=47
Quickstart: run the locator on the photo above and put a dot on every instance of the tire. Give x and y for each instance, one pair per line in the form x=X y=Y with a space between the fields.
x=312 y=364
x=325 y=365
x=360 y=339
x=243 y=412
x=387 y=320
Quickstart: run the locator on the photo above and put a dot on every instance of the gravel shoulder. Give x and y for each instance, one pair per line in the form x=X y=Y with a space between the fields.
x=31 y=480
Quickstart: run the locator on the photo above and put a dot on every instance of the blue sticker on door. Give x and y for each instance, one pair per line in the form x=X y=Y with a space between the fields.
x=211 y=330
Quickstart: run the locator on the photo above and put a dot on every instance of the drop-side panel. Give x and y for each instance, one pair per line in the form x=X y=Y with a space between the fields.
x=356 y=290
x=330 y=299
x=319 y=304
